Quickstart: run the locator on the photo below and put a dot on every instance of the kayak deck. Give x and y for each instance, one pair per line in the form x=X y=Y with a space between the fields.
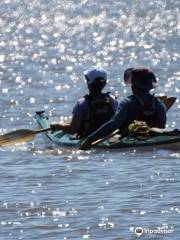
x=59 y=138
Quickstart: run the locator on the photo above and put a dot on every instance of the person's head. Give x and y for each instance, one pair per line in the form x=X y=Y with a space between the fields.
x=96 y=79
x=140 y=79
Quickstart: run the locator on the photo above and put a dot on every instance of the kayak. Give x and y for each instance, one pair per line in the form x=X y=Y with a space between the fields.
x=58 y=138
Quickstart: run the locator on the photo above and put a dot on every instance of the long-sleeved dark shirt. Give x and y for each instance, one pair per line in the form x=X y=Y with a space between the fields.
x=126 y=113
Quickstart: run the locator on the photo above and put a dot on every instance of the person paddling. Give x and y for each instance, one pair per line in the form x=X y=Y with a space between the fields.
x=141 y=105
x=94 y=109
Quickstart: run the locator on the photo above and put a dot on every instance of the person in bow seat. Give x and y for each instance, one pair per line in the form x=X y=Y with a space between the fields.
x=94 y=109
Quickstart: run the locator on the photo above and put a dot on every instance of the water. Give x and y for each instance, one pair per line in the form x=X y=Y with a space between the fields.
x=45 y=46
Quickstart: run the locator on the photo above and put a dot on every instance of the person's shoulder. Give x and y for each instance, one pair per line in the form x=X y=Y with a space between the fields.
x=126 y=102
x=112 y=97
x=129 y=99
x=80 y=106
x=113 y=101
x=81 y=100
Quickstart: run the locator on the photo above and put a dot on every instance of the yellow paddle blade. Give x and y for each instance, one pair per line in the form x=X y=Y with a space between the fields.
x=168 y=102
x=18 y=136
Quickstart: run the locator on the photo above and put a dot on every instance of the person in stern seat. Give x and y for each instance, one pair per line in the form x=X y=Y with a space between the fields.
x=94 y=109
x=141 y=105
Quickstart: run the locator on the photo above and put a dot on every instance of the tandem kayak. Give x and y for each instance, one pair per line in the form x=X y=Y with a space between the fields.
x=58 y=138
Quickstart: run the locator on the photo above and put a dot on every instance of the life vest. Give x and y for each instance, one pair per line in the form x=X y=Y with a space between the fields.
x=100 y=110
x=148 y=112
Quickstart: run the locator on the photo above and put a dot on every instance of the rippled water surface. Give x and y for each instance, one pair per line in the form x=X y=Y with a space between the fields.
x=64 y=193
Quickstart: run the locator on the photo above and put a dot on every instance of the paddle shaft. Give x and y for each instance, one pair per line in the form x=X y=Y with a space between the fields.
x=167 y=132
x=106 y=138
x=42 y=130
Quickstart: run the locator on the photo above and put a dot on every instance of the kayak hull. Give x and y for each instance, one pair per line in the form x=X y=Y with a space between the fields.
x=59 y=138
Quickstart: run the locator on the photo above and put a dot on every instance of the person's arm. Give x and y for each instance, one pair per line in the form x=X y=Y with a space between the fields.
x=70 y=128
x=78 y=114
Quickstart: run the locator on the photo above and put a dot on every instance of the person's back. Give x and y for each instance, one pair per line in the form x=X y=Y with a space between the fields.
x=96 y=111
x=142 y=107
x=148 y=109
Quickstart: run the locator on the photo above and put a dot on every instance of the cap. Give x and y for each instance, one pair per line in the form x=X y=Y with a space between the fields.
x=127 y=75
x=95 y=73
x=142 y=78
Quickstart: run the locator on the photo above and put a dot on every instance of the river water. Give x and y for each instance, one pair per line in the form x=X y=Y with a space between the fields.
x=64 y=193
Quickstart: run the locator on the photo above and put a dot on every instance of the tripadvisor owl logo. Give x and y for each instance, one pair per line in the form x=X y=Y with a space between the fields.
x=138 y=231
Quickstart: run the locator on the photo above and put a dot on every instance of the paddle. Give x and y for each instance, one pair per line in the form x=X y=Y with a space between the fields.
x=106 y=138
x=19 y=136
x=86 y=144
x=168 y=102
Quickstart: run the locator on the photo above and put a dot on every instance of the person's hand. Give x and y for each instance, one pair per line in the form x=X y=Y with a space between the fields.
x=86 y=144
